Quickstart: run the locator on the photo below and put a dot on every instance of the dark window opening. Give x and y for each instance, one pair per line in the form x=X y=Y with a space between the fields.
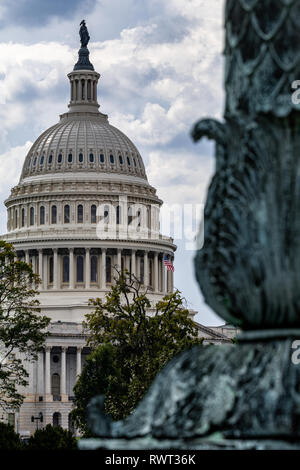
x=93 y=214
x=67 y=214
x=79 y=268
x=42 y=215
x=80 y=214
x=53 y=214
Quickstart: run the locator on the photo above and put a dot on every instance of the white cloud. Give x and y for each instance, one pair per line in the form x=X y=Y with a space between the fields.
x=158 y=76
x=180 y=177
x=11 y=163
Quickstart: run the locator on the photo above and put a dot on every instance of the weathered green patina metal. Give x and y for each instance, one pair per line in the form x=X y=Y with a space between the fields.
x=245 y=396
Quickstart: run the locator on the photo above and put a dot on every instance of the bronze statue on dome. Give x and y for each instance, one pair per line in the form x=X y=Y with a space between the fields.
x=84 y=34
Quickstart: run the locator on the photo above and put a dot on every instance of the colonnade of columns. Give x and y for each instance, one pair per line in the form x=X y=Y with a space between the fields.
x=97 y=267
x=63 y=369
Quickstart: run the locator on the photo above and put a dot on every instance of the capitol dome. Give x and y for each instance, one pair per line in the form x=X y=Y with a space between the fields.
x=81 y=174
x=83 y=141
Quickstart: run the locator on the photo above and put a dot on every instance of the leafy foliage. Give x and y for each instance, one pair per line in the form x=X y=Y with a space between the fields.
x=52 y=438
x=142 y=338
x=22 y=329
x=9 y=440
x=101 y=374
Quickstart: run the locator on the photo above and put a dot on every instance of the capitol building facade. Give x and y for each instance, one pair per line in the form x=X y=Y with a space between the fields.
x=82 y=210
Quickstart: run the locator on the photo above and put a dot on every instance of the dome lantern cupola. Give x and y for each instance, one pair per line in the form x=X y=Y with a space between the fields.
x=83 y=78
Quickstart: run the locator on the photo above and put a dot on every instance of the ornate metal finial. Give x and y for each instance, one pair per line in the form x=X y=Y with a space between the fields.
x=84 y=34
x=83 y=53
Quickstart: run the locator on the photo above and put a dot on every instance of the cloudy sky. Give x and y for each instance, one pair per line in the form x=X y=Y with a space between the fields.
x=161 y=70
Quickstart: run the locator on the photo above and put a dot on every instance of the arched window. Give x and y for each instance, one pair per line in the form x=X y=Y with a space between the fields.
x=16 y=219
x=80 y=157
x=101 y=158
x=59 y=158
x=129 y=215
x=134 y=161
x=23 y=217
x=53 y=215
x=56 y=419
x=93 y=213
x=34 y=161
x=106 y=214
x=121 y=159
x=118 y=214
x=51 y=270
x=50 y=159
x=79 y=270
x=42 y=215
x=89 y=90
x=108 y=269
x=29 y=162
x=128 y=161
x=94 y=269
x=91 y=156
x=66 y=268
x=31 y=216
x=55 y=385
x=70 y=158
x=80 y=214
x=82 y=90
x=112 y=160
x=67 y=214
x=42 y=160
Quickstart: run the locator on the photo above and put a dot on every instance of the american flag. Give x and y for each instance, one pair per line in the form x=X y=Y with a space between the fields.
x=169 y=264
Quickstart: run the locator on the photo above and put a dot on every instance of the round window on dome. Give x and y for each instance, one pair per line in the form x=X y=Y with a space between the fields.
x=59 y=158
x=101 y=158
x=91 y=158
x=70 y=158
x=121 y=159
x=80 y=158
x=50 y=159
x=42 y=160
x=112 y=160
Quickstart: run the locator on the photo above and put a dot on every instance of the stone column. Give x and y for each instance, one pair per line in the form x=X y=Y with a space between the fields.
x=163 y=275
x=72 y=270
x=63 y=387
x=40 y=374
x=47 y=372
x=155 y=272
x=78 y=361
x=85 y=90
x=133 y=262
x=87 y=268
x=119 y=259
x=45 y=272
x=146 y=269
x=55 y=268
x=103 y=269
x=41 y=286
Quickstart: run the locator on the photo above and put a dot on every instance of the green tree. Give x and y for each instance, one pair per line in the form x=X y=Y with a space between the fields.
x=101 y=374
x=22 y=329
x=144 y=340
x=9 y=440
x=52 y=438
